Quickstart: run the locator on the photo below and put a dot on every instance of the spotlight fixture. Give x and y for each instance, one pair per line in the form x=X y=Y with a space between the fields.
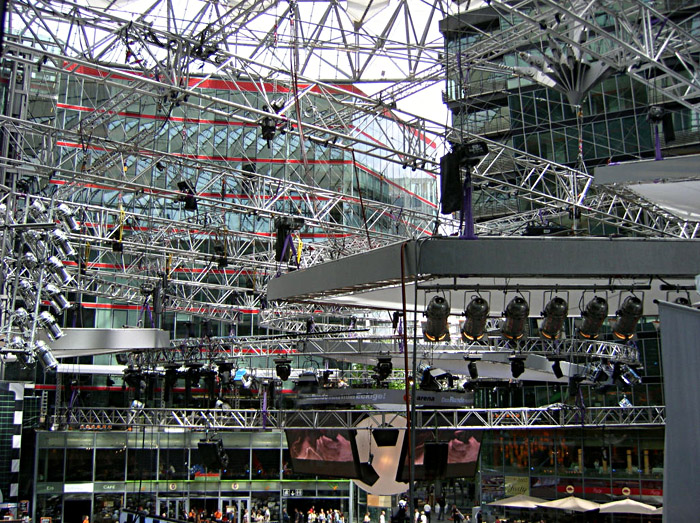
x=477 y=312
x=432 y=378
x=515 y=314
x=597 y=373
x=28 y=293
x=629 y=376
x=20 y=317
x=62 y=243
x=57 y=270
x=30 y=261
x=517 y=365
x=383 y=369
x=35 y=241
x=307 y=383
x=435 y=328
x=37 y=210
x=136 y=406
x=628 y=315
x=65 y=213
x=554 y=313
x=188 y=195
x=48 y=322
x=283 y=368
x=58 y=302
x=43 y=353
x=593 y=317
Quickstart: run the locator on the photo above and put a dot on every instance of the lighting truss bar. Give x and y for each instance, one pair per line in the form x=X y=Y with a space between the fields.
x=558 y=416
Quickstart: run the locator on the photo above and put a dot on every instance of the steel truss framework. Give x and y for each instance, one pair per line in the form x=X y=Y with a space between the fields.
x=135 y=58
x=552 y=417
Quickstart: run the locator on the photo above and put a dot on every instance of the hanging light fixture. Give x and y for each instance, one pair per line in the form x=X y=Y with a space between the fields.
x=554 y=313
x=593 y=317
x=477 y=312
x=628 y=316
x=515 y=314
x=435 y=328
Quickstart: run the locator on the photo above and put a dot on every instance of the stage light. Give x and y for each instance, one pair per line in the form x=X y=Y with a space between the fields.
x=27 y=359
x=43 y=353
x=477 y=312
x=597 y=374
x=242 y=379
x=682 y=301
x=383 y=369
x=65 y=213
x=627 y=317
x=136 y=406
x=20 y=317
x=517 y=365
x=515 y=314
x=283 y=368
x=35 y=241
x=593 y=317
x=432 y=377
x=435 y=328
x=189 y=195
x=48 y=322
x=38 y=211
x=30 y=261
x=554 y=313
x=629 y=376
x=28 y=293
x=57 y=270
x=57 y=300
x=307 y=383
x=62 y=243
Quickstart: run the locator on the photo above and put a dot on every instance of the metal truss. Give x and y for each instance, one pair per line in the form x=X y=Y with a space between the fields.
x=550 y=417
x=655 y=46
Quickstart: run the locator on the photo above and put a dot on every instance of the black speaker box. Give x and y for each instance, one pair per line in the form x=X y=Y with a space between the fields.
x=213 y=454
x=450 y=183
x=385 y=437
x=435 y=459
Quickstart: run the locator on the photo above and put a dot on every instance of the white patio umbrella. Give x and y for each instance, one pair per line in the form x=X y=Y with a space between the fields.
x=627 y=506
x=571 y=503
x=519 y=501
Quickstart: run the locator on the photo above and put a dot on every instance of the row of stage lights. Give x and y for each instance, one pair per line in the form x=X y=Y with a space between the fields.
x=516 y=315
x=38 y=251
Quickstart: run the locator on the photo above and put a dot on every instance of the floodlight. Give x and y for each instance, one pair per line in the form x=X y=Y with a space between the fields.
x=38 y=211
x=593 y=317
x=629 y=376
x=625 y=403
x=432 y=377
x=383 y=369
x=136 y=405
x=35 y=241
x=517 y=365
x=627 y=317
x=27 y=292
x=477 y=312
x=515 y=314
x=27 y=359
x=48 y=322
x=65 y=213
x=43 y=353
x=20 y=317
x=435 y=328
x=57 y=300
x=17 y=343
x=283 y=368
x=597 y=374
x=62 y=243
x=30 y=261
x=554 y=313
x=57 y=270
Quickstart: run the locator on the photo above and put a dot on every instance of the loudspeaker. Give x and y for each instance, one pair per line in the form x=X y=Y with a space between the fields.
x=367 y=474
x=435 y=459
x=282 y=231
x=450 y=183
x=385 y=437
x=212 y=454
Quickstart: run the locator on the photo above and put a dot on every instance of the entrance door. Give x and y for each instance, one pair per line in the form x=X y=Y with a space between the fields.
x=235 y=509
x=175 y=508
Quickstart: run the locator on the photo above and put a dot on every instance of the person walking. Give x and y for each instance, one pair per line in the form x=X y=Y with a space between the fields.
x=426 y=510
x=438 y=508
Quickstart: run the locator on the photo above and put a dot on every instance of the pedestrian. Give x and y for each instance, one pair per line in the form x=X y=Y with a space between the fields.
x=367 y=518
x=438 y=508
x=382 y=517
x=426 y=509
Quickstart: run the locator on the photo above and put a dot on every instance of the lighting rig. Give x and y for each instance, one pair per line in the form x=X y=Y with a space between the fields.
x=34 y=248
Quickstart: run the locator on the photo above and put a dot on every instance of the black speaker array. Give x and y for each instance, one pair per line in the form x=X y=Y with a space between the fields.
x=435 y=459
